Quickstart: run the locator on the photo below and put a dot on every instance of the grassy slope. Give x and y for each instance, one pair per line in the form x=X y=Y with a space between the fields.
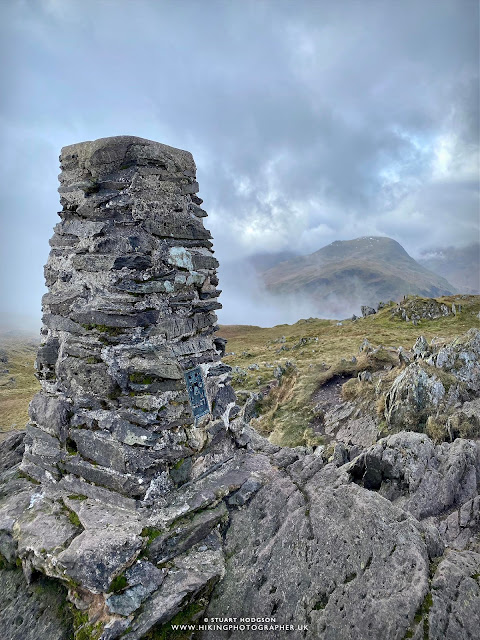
x=288 y=422
x=290 y=414
x=15 y=396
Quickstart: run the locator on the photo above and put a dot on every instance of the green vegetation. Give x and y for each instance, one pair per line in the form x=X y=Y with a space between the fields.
x=445 y=378
x=443 y=427
x=319 y=350
x=83 y=628
x=118 y=584
x=186 y=616
x=92 y=187
x=150 y=533
x=22 y=474
x=421 y=614
x=115 y=393
x=72 y=516
x=4 y=564
x=71 y=447
x=435 y=429
x=140 y=378
x=102 y=328
x=74 y=519
x=18 y=385
x=321 y=603
x=178 y=464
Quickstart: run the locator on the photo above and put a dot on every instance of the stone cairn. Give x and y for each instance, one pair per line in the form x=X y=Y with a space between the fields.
x=130 y=308
x=135 y=454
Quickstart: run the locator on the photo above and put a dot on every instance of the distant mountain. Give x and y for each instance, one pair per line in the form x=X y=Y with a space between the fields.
x=461 y=266
x=347 y=274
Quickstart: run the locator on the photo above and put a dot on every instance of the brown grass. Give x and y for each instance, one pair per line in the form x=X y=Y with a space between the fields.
x=287 y=416
x=288 y=411
x=15 y=396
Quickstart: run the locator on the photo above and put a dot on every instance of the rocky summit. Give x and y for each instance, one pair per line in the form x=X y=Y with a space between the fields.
x=140 y=498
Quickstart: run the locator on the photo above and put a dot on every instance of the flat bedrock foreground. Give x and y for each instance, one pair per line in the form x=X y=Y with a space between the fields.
x=276 y=532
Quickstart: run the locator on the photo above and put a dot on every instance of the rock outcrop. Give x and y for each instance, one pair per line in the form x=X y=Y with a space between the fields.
x=367 y=311
x=141 y=491
x=413 y=396
x=33 y=611
x=438 y=391
x=414 y=308
x=432 y=388
x=360 y=549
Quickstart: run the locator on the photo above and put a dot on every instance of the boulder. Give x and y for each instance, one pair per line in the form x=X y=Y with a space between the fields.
x=413 y=397
x=424 y=479
x=367 y=311
x=461 y=358
x=339 y=560
x=453 y=612
x=420 y=348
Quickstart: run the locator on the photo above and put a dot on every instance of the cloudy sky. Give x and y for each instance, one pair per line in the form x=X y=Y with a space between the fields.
x=310 y=120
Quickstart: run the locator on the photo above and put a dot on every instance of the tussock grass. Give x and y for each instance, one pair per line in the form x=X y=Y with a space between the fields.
x=15 y=395
x=288 y=410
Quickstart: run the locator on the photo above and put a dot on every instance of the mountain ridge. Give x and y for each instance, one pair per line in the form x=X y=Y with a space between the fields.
x=364 y=270
x=459 y=265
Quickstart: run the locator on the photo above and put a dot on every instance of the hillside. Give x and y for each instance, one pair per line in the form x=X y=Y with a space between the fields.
x=348 y=274
x=460 y=266
x=256 y=353
x=17 y=380
x=329 y=524
x=286 y=366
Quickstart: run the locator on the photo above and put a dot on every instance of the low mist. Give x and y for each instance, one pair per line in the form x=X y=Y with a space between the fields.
x=245 y=300
x=18 y=324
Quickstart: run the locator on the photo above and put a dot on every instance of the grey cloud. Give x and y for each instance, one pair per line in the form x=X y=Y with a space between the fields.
x=310 y=121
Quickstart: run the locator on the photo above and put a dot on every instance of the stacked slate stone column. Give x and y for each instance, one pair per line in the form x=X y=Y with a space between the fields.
x=130 y=308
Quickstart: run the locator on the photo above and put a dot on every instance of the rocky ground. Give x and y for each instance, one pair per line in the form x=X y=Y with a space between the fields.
x=304 y=382
x=381 y=546
x=372 y=533
x=353 y=539
x=143 y=497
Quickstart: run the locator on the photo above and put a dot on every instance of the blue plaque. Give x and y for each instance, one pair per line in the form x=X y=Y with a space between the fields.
x=196 y=392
